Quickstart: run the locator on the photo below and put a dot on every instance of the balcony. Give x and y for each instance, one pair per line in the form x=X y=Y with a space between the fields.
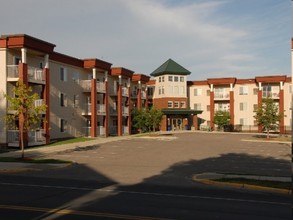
x=125 y=110
x=86 y=86
x=133 y=94
x=222 y=96
x=125 y=129
x=35 y=137
x=269 y=94
x=143 y=95
x=101 y=109
x=100 y=131
x=113 y=111
x=113 y=130
x=35 y=75
x=125 y=91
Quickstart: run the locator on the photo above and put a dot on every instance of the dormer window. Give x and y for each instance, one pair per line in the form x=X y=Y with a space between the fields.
x=170 y=78
x=175 y=78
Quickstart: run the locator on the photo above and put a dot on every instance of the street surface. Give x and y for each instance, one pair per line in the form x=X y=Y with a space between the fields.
x=150 y=178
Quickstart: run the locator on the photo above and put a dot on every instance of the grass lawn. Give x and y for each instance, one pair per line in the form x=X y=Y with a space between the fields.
x=32 y=160
x=265 y=183
x=286 y=138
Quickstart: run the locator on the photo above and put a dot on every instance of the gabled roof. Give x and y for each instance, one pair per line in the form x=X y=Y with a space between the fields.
x=170 y=67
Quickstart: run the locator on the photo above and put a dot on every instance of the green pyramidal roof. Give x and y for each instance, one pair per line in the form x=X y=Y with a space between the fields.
x=170 y=67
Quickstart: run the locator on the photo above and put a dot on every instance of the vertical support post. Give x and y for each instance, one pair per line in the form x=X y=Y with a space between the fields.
x=259 y=101
x=94 y=108
x=119 y=107
x=281 y=108
x=212 y=107
x=106 y=102
x=46 y=96
x=139 y=95
x=231 y=102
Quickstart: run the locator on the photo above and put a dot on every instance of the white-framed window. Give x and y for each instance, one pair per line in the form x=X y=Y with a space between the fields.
x=197 y=92
x=63 y=74
x=160 y=90
x=255 y=91
x=170 y=104
x=181 y=78
x=63 y=100
x=290 y=89
x=170 y=90
x=243 y=90
x=163 y=90
x=242 y=106
x=176 y=90
x=208 y=108
x=16 y=60
x=163 y=78
x=208 y=92
x=255 y=107
x=176 y=104
x=182 y=104
x=175 y=78
x=170 y=78
x=63 y=125
x=159 y=79
x=197 y=106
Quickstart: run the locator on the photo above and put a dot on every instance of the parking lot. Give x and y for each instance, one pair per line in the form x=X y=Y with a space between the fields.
x=175 y=158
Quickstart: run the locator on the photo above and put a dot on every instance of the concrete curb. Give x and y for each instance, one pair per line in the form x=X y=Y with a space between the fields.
x=240 y=185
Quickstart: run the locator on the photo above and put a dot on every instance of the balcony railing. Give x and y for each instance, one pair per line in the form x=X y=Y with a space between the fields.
x=125 y=91
x=34 y=74
x=100 y=109
x=125 y=110
x=100 y=131
x=125 y=129
x=12 y=71
x=113 y=111
x=222 y=96
x=143 y=95
x=268 y=94
x=86 y=86
x=35 y=137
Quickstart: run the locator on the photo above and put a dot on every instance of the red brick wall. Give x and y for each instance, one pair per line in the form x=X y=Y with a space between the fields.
x=163 y=102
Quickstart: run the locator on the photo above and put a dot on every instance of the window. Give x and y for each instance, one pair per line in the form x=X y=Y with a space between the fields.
x=176 y=104
x=150 y=91
x=160 y=90
x=63 y=74
x=255 y=91
x=17 y=60
x=267 y=91
x=197 y=106
x=208 y=92
x=176 y=90
x=75 y=101
x=170 y=104
x=243 y=90
x=208 y=108
x=170 y=90
x=63 y=125
x=170 y=78
x=255 y=106
x=163 y=90
x=243 y=106
x=41 y=65
x=63 y=100
x=197 y=92
x=182 y=104
x=181 y=78
x=181 y=91
x=163 y=78
x=290 y=89
x=75 y=77
x=175 y=78
x=159 y=79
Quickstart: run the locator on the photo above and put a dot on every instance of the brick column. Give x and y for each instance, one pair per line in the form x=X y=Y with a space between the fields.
x=212 y=109
x=281 y=110
x=139 y=99
x=46 y=96
x=119 y=110
x=94 y=108
x=163 y=125
x=129 y=111
x=195 y=122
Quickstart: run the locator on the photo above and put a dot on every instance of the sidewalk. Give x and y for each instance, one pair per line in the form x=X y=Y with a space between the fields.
x=210 y=179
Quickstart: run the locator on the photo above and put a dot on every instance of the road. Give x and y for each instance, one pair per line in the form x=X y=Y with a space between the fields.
x=150 y=179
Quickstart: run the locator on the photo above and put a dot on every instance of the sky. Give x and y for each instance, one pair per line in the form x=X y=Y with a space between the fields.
x=210 y=38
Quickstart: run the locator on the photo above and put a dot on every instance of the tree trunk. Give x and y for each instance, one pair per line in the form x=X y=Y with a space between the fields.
x=268 y=134
x=21 y=121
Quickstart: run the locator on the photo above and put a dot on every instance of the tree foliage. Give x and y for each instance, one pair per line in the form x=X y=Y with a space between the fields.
x=23 y=108
x=267 y=115
x=221 y=118
x=147 y=119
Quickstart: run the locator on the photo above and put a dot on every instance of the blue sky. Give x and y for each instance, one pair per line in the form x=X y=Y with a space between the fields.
x=211 y=38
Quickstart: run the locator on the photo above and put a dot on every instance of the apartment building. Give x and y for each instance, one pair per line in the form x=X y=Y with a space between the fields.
x=194 y=103
x=84 y=97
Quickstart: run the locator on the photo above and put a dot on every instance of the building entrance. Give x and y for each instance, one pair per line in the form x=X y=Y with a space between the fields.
x=176 y=124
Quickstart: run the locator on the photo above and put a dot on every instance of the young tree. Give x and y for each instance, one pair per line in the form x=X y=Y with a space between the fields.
x=221 y=118
x=22 y=104
x=139 y=119
x=156 y=116
x=267 y=115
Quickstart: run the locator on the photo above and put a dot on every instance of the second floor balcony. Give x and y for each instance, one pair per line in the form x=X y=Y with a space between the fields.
x=35 y=75
x=269 y=94
x=35 y=137
x=87 y=86
x=222 y=96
